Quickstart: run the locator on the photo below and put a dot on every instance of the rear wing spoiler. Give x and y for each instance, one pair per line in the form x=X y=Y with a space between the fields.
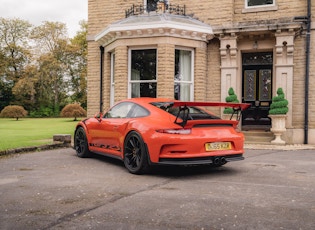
x=237 y=108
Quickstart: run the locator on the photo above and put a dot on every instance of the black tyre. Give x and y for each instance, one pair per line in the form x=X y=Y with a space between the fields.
x=135 y=154
x=81 y=143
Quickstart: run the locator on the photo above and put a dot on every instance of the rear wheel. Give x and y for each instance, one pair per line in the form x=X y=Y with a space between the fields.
x=135 y=154
x=81 y=143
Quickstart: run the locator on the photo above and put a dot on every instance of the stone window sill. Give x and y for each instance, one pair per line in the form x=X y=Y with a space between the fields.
x=259 y=9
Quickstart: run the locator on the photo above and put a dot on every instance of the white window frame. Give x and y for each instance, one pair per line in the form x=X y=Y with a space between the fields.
x=112 y=78
x=259 y=8
x=192 y=70
x=129 y=68
x=266 y=5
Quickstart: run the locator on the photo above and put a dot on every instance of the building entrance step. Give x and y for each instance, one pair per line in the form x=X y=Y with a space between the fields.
x=258 y=137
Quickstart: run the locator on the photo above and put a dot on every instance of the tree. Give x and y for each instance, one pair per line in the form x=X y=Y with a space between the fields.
x=24 y=90
x=40 y=67
x=52 y=40
x=73 y=110
x=15 y=54
x=14 y=111
x=78 y=66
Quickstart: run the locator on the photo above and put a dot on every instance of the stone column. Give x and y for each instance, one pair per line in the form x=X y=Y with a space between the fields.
x=200 y=74
x=165 y=70
x=284 y=67
x=121 y=73
x=229 y=66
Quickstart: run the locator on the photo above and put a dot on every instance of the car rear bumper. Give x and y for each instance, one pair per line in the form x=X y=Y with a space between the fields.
x=200 y=160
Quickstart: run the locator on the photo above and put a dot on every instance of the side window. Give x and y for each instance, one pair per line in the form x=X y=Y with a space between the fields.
x=138 y=111
x=253 y=3
x=120 y=110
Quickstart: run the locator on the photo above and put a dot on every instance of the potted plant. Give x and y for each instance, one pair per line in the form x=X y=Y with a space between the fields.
x=277 y=113
x=232 y=98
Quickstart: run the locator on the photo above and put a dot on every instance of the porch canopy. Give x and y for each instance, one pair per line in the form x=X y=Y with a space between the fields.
x=155 y=25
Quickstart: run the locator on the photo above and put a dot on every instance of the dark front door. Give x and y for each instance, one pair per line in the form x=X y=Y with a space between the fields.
x=257 y=90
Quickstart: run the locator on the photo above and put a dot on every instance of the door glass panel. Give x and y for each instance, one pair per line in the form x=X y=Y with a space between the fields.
x=257 y=58
x=250 y=85
x=265 y=84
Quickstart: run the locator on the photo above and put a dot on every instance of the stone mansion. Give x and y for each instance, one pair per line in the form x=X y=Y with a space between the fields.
x=197 y=50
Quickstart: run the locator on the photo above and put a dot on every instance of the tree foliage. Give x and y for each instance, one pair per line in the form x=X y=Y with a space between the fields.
x=15 y=55
x=13 y=111
x=73 y=110
x=41 y=68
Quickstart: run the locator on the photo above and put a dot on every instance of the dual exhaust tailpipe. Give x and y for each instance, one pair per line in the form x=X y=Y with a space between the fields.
x=218 y=161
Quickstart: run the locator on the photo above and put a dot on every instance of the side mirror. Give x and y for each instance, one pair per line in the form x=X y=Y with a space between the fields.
x=98 y=116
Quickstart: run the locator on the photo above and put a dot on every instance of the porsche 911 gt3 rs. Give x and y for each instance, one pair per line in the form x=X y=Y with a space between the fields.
x=148 y=131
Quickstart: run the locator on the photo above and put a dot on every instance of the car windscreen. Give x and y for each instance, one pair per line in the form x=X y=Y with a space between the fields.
x=195 y=113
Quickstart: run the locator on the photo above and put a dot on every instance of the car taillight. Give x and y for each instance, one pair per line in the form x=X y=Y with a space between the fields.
x=174 y=131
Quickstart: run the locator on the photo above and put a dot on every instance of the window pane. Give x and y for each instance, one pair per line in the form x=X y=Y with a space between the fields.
x=143 y=64
x=259 y=2
x=182 y=91
x=152 y=5
x=143 y=73
x=183 y=75
x=182 y=65
x=143 y=89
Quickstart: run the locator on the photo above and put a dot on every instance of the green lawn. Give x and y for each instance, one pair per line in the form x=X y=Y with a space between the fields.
x=32 y=131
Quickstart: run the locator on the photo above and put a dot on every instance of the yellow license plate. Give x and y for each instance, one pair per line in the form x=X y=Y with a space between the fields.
x=218 y=146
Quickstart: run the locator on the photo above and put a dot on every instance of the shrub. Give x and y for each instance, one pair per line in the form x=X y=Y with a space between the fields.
x=73 y=110
x=232 y=98
x=279 y=104
x=14 y=111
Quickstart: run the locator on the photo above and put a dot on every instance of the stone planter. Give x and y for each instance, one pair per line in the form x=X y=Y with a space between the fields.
x=278 y=128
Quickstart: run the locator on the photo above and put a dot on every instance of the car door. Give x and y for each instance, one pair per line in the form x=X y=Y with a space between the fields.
x=109 y=133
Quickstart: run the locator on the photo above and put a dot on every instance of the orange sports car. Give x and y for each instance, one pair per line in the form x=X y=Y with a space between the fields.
x=146 y=131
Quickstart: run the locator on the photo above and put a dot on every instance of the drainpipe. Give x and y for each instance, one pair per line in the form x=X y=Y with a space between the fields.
x=307 y=70
x=101 y=77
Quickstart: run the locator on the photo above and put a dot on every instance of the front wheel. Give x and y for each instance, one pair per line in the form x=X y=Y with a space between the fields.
x=81 y=143
x=135 y=154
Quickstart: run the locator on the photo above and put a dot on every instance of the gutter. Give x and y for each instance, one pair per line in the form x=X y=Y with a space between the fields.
x=307 y=71
x=101 y=77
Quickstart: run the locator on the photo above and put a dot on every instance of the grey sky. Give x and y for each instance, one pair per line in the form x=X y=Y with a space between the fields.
x=69 y=12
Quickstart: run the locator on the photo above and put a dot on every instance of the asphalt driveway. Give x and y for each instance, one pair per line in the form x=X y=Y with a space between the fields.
x=270 y=189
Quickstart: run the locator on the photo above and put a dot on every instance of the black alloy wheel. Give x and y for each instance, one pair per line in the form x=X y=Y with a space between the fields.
x=135 y=154
x=81 y=143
